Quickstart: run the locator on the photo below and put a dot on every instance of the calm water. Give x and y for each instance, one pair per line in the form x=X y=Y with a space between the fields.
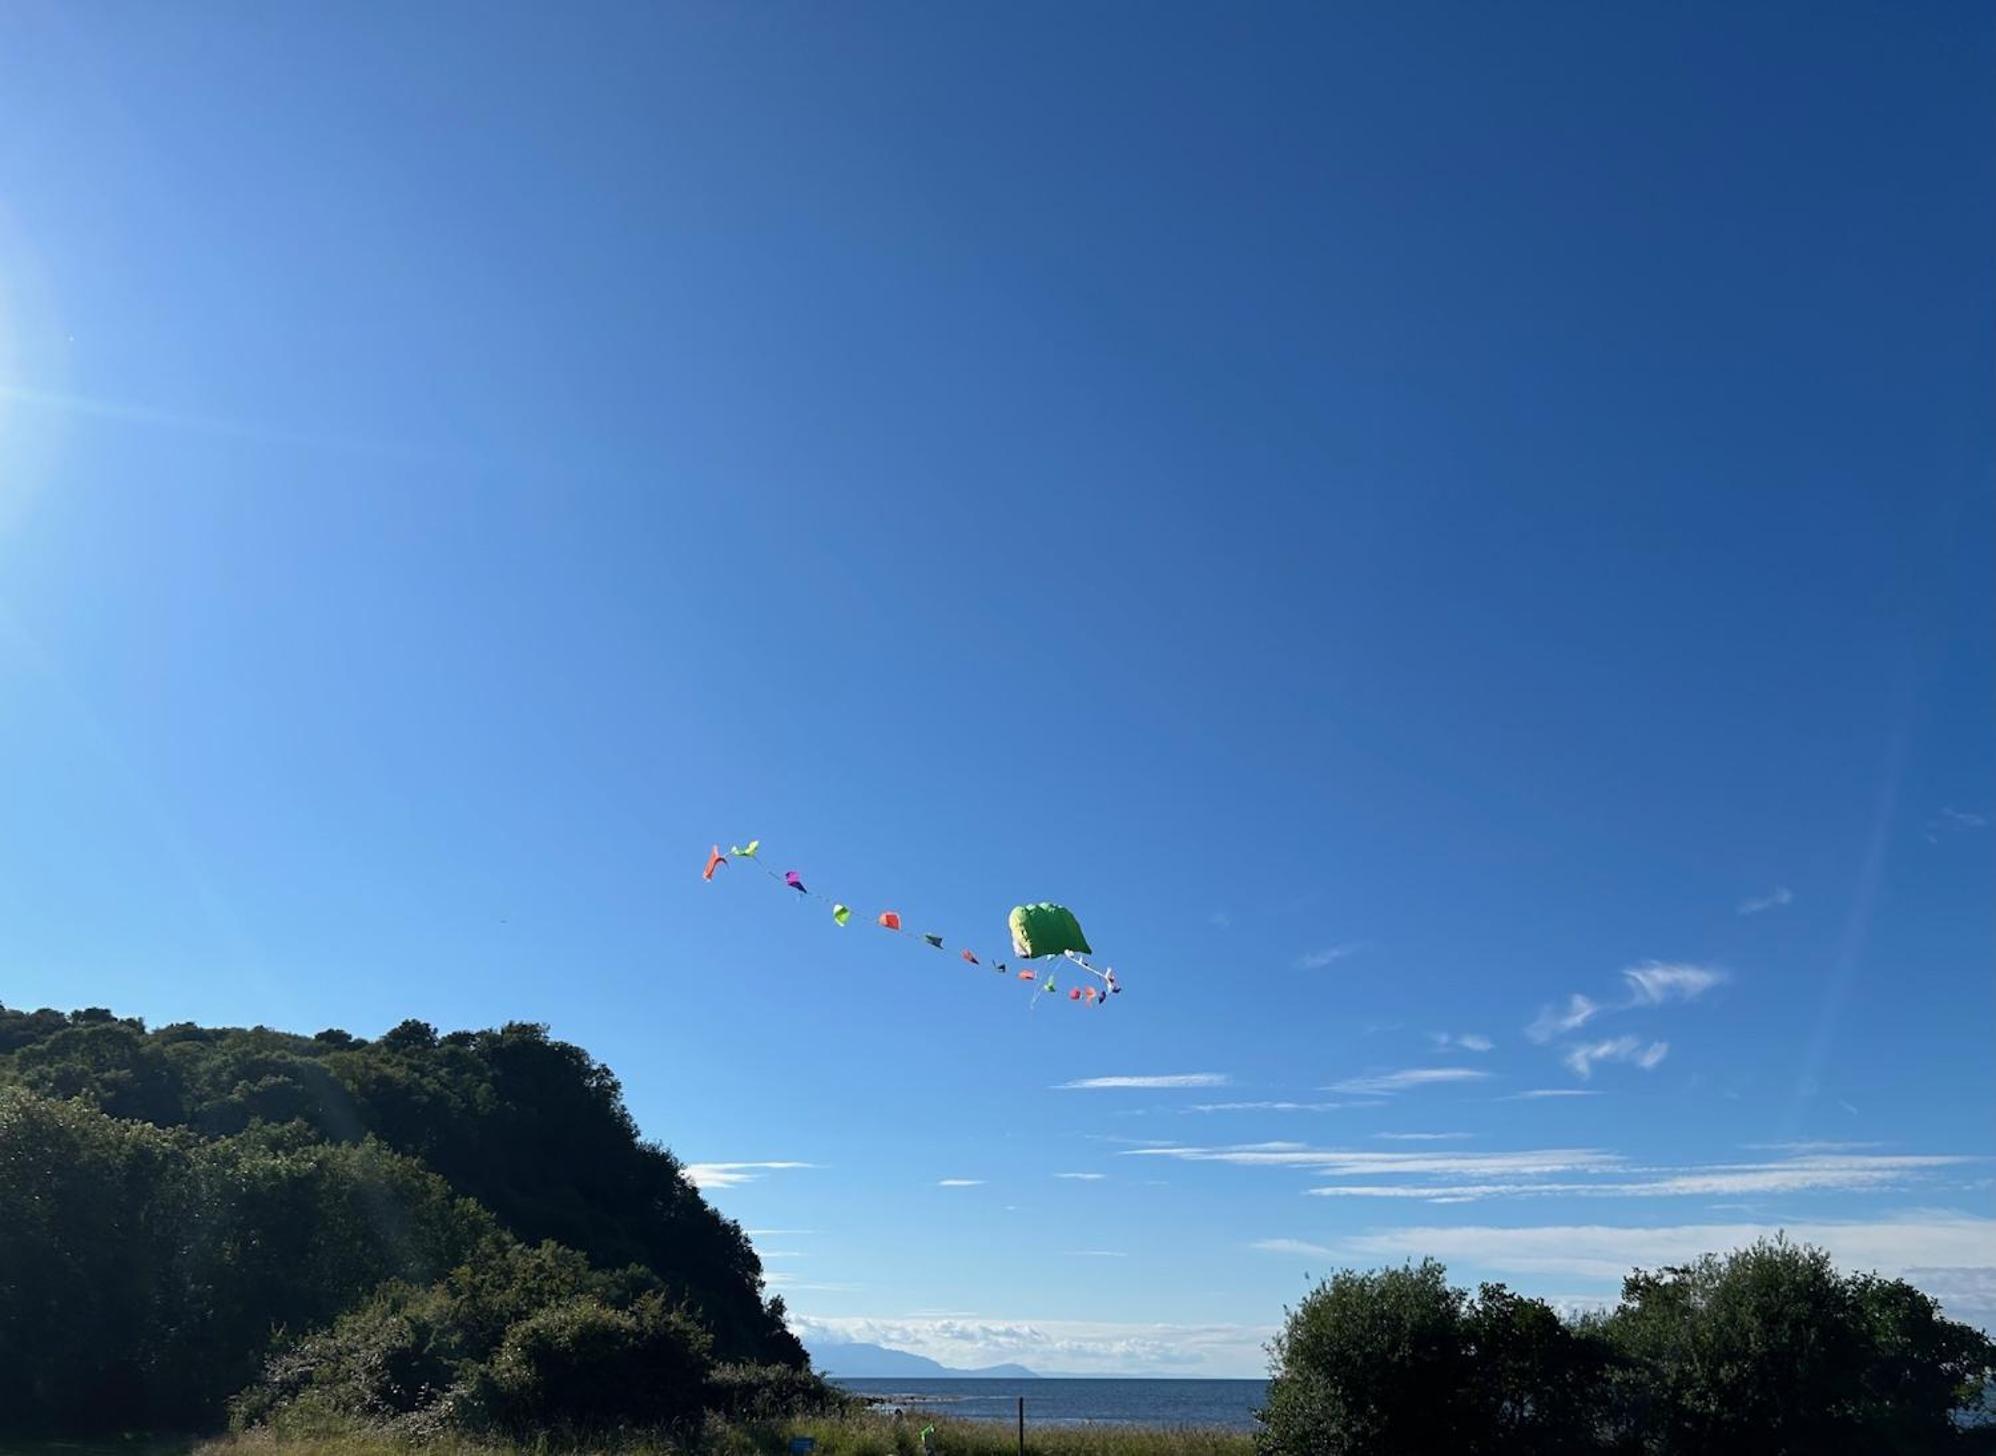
x=1229 y=1403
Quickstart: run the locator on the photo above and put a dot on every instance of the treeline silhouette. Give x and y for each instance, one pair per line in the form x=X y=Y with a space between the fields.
x=428 y=1235
x=178 y=1205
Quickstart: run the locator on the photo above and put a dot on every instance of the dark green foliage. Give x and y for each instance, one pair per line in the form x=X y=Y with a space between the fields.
x=587 y=1363
x=1539 y=1380
x=520 y=1341
x=533 y=1129
x=172 y=1202
x=1401 y=1361
x=746 y=1392
x=1771 y=1350
x=143 y=1271
x=1768 y=1350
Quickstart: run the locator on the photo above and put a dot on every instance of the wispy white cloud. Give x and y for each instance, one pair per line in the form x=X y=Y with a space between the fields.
x=1960 y=1244
x=1086 y=1346
x=1221 y=918
x=1097 y=1254
x=1349 y=1162
x=1962 y=819
x=1386 y=1083
x=1792 y=1176
x=1421 y=1137
x=790 y=1284
x=731 y=1175
x=1469 y=1041
x=1083 y=1177
x=1273 y=1106
x=1458 y=1176
x=1552 y=1021
x=1316 y=960
x=1537 y=1092
x=1773 y=900
x=1654 y=982
x=1172 y=1079
x=1810 y=1145
x=1583 y=1056
x=1290 y=1246
x=959 y=1182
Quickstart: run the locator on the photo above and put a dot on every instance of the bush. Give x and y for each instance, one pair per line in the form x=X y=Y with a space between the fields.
x=582 y=1364
x=745 y=1392
x=518 y=1340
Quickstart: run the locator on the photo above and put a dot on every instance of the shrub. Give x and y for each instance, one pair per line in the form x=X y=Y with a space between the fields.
x=582 y=1364
x=769 y=1392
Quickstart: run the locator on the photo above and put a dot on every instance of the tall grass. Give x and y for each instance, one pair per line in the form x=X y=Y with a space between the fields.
x=855 y=1435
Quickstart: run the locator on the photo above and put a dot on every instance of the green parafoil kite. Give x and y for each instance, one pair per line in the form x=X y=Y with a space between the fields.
x=1046 y=929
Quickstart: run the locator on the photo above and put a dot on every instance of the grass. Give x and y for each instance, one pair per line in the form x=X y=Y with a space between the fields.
x=859 y=1435
x=114 y=1446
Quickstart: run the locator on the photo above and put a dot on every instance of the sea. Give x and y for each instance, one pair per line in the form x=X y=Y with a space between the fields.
x=1051 y=1401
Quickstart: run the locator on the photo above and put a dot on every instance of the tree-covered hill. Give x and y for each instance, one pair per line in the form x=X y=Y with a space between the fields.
x=172 y=1199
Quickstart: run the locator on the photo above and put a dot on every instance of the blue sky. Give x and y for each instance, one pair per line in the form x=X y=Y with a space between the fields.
x=1402 y=516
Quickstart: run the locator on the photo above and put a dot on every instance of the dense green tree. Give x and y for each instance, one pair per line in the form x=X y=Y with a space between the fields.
x=1400 y=1361
x=144 y=1271
x=1770 y=1350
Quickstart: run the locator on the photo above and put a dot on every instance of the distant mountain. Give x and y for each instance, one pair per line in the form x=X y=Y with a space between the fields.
x=876 y=1362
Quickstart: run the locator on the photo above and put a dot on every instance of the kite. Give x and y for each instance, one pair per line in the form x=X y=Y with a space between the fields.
x=1039 y=930
x=1044 y=929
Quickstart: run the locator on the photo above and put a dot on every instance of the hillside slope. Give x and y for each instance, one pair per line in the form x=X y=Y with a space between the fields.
x=532 y=1129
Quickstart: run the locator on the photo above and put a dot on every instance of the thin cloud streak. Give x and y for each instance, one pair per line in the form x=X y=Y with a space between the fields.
x=1172 y=1079
x=1800 y=1175
x=1576 y=1172
x=1538 y=1092
x=1387 y=1083
x=733 y=1175
x=1606 y=1252
x=1347 y=1162
x=1290 y=1246
x=1421 y=1137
